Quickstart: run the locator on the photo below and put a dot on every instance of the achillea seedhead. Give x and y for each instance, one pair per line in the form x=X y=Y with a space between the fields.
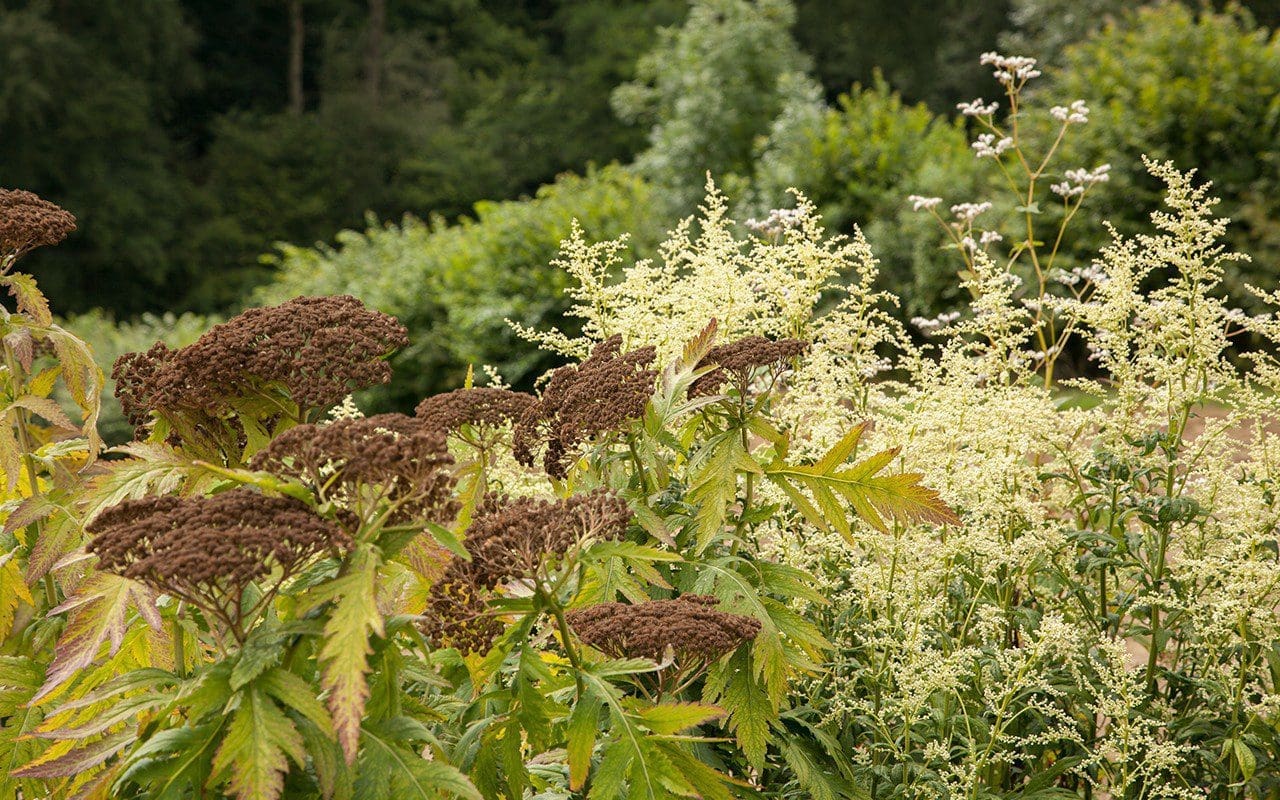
x=316 y=349
x=735 y=361
x=408 y=462
x=485 y=407
x=28 y=222
x=511 y=540
x=206 y=550
x=688 y=626
x=602 y=394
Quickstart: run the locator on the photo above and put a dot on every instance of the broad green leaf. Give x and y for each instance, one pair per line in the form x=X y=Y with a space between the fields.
x=584 y=721
x=409 y=774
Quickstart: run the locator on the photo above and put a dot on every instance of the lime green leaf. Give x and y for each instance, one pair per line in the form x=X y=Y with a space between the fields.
x=253 y=752
x=672 y=718
x=98 y=614
x=584 y=721
x=411 y=775
x=345 y=653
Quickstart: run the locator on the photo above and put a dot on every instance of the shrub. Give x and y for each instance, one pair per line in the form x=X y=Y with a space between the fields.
x=453 y=286
x=854 y=162
x=1197 y=88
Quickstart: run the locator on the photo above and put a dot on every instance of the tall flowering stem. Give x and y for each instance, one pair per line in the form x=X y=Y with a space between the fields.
x=1002 y=140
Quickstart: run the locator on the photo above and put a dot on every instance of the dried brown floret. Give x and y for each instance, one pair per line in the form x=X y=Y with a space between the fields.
x=314 y=350
x=458 y=616
x=511 y=540
x=600 y=395
x=28 y=222
x=735 y=361
x=407 y=462
x=688 y=626
x=207 y=550
x=482 y=406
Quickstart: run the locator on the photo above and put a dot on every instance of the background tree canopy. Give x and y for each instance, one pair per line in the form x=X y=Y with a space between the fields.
x=207 y=147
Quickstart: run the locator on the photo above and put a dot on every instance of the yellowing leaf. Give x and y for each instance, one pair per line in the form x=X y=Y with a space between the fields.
x=254 y=750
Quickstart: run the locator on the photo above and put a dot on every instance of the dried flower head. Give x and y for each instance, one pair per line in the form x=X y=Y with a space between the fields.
x=28 y=222
x=484 y=407
x=736 y=361
x=387 y=458
x=512 y=540
x=602 y=394
x=316 y=350
x=688 y=626
x=207 y=550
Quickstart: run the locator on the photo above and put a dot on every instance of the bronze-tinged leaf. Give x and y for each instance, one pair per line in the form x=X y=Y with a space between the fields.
x=78 y=759
x=344 y=656
x=98 y=615
x=22 y=345
x=697 y=347
x=31 y=301
x=47 y=408
x=253 y=752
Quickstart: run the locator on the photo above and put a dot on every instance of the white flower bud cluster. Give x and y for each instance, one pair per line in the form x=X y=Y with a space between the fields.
x=1076 y=114
x=1093 y=273
x=930 y=326
x=778 y=221
x=977 y=108
x=920 y=203
x=1011 y=70
x=1077 y=180
x=988 y=146
x=967 y=212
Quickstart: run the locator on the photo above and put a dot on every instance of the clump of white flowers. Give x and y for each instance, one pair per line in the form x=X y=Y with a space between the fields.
x=1107 y=615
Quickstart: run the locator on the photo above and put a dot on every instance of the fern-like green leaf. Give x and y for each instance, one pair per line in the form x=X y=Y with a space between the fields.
x=871 y=495
x=255 y=751
x=345 y=652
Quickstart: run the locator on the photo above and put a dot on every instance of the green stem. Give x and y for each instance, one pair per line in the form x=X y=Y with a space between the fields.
x=29 y=462
x=179 y=642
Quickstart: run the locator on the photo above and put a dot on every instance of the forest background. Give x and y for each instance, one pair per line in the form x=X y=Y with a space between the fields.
x=421 y=152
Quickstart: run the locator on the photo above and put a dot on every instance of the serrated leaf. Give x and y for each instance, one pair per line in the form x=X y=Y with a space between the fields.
x=22 y=345
x=738 y=691
x=31 y=301
x=580 y=735
x=46 y=408
x=872 y=496
x=411 y=775
x=713 y=483
x=98 y=614
x=345 y=652
x=175 y=763
x=297 y=694
x=13 y=592
x=254 y=752
x=42 y=383
x=670 y=718
x=78 y=759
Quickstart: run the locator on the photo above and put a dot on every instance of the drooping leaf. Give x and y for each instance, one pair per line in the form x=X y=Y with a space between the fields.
x=409 y=774
x=78 y=759
x=669 y=718
x=13 y=592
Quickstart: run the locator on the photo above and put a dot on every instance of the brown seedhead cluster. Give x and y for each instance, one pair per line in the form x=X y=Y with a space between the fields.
x=689 y=627
x=480 y=407
x=313 y=350
x=28 y=222
x=396 y=457
x=511 y=540
x=206 y=550
x=600 y=395
x=734 y=362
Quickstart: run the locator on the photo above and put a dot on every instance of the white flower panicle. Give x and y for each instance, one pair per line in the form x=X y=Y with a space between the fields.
x=977 y=108
x=968 y=212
